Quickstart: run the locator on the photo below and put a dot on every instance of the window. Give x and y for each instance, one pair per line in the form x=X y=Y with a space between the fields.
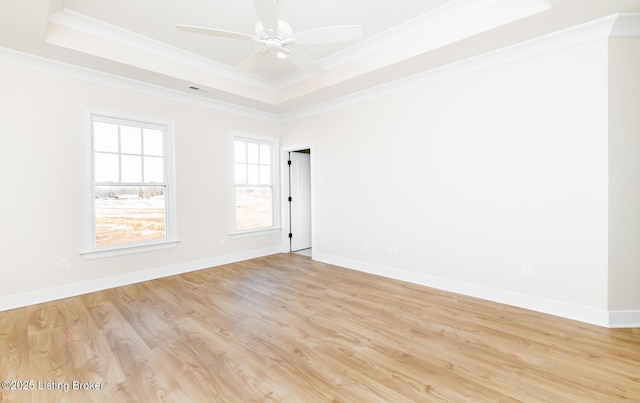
x=129 y=192
x=255 y=195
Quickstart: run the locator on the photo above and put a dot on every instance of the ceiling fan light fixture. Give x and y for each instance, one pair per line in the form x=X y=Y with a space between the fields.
x=281 y=54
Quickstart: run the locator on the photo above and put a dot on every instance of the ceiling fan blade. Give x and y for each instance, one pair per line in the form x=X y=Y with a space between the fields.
x=250 y=62
x=304 y=62
x=267 y=11
x=214 y=32
x=338 y=33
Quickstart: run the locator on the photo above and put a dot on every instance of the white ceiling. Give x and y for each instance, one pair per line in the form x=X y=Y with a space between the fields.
x=137 y=39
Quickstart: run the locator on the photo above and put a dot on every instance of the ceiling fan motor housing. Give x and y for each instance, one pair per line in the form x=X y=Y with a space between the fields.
x=284 y=31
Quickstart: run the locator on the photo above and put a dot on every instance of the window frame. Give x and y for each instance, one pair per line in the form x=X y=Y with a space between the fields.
x=273 y=142
x=90 y=249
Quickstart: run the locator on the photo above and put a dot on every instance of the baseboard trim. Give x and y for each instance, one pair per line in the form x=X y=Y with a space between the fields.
x=544 y=305
x=610 y=319
x=85 y=287
x=624 y=319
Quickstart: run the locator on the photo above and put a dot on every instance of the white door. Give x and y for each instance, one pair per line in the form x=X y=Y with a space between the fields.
x=300 y=200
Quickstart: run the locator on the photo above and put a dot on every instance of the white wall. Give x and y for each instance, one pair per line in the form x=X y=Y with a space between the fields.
x=41 y=185
x=473 y=177
x=624 y=163
x=532 y=163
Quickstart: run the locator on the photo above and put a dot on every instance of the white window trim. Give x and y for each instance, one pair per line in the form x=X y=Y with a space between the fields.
x=90 y=251
x=275 y=172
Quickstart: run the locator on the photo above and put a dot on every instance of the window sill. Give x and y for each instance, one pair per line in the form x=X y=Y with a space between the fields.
x=254 y=232
x=128 y=250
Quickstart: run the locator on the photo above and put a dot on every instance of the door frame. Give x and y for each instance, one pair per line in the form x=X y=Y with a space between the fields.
x=284 y=195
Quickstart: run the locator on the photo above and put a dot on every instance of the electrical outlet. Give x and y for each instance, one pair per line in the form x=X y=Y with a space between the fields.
x=527 y=271
x=63 y=264
x=393 y=250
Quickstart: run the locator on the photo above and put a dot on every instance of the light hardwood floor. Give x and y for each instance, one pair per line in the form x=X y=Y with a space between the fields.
x=284 y=328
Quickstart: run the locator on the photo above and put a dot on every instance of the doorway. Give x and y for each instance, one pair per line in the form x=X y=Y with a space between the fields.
x=299 y=201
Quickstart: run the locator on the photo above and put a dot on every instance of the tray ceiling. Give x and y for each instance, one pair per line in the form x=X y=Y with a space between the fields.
x=138 y=40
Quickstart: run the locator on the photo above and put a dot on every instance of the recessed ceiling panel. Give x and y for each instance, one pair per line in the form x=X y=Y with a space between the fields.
x=157 y=19
x=137 y=41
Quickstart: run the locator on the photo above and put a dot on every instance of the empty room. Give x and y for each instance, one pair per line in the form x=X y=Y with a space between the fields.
x=287 y=201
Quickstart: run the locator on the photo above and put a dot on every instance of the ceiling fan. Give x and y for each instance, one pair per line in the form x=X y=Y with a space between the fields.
x=276 y=36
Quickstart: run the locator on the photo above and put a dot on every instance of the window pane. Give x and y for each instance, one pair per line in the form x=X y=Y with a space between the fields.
x=105 y=137
x=265 y=175
x=130 y=140
x=241 y=174
x=253 y=153
x=254 y=208
x=153 y=142
x=265 y=154
x=129 y=189
x=240 y=151
x=106 y=167
x=153 y=169
x=131 y=169
x=129 y=214
x=253 y=175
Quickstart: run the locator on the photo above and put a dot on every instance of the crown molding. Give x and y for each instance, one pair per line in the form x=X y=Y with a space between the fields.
x=27 y=61
x=613 y=26
x=76 y=22
x=432 y=22
x=446 y=24
x=429 y=31
x=626 y=26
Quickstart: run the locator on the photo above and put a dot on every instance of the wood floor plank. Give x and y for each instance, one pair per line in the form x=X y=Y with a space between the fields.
x=15 y=355
x=287 y=329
